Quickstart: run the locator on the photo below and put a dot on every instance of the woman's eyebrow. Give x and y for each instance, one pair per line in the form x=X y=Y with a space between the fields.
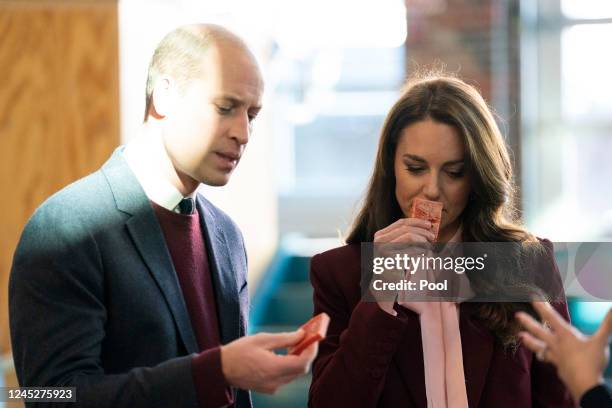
x=451 y=162
x=414 y=157
x=422 y=160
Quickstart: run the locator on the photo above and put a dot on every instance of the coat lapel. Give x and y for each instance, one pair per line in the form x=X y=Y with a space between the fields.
x=223 y=273
x=148 y=239
x=409 y=359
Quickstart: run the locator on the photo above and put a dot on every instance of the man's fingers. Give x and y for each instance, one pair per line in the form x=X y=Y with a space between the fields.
x=273 y=341
x=550 y=315
x=309 y=354
x=290 y=365
x=535 y=328
x=273 y=386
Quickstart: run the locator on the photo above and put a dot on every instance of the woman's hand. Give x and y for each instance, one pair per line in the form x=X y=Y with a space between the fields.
x=404 y=230
x=580 y=359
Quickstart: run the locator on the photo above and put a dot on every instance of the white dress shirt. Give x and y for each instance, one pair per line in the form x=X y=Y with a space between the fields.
x=157 y=188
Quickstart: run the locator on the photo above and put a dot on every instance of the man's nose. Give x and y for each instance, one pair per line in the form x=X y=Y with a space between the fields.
x=241 y=129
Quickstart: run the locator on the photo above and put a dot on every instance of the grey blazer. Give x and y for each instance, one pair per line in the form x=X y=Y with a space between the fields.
x=95 y=302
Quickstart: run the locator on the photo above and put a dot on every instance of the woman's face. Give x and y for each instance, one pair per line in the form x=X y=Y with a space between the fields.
x=429 y=164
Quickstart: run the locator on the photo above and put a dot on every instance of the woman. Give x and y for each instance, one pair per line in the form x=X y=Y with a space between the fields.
x=439 y=142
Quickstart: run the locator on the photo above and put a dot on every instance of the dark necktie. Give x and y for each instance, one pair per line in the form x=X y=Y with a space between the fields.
x=186 y=206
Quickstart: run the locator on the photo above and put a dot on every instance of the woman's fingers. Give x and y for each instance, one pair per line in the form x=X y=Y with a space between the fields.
x=535 y=328
x=402 y=227
x=531 y=342
x=550 y=315
x=410 y=237
x=540 y=348
x=605 y=329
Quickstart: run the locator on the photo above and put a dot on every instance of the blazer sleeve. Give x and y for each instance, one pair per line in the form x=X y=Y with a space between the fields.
x=353 y=359
x=547 y=389
x=58 y=317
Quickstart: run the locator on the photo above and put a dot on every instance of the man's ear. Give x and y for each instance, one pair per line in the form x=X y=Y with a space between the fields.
x=165 y=95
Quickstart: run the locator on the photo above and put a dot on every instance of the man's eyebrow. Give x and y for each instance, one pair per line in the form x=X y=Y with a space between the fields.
x=234 y=100
x=422 y=160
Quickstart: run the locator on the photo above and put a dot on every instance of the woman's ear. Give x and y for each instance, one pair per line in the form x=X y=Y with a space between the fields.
x=165 y=95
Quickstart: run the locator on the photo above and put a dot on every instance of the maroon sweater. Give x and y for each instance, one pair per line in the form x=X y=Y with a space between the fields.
x=185 y=241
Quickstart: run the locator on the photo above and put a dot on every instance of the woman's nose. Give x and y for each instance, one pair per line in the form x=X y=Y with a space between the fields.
x=432 y=187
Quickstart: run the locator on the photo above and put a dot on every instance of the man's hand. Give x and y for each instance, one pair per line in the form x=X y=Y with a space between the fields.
x=250 y=363
x=580 y=359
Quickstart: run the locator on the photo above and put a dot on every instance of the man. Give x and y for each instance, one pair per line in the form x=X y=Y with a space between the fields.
x=580 y=359
x=130 y=286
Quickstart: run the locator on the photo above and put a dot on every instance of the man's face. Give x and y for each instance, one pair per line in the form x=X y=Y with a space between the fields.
x=209 y=125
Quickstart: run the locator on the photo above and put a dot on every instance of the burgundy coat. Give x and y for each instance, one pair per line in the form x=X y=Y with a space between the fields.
x=372 y=359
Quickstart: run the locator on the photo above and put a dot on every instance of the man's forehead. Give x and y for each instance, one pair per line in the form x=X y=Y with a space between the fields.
x=234 y=75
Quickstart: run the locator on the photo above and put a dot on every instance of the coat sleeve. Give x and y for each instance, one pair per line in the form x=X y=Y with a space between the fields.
x=58 y=317
x=353 y=359
x=547 y=389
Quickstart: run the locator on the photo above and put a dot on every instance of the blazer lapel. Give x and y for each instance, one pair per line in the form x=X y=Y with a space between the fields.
x=148 y=239
x=477 y=345
x=409 y=359
x=223 y=274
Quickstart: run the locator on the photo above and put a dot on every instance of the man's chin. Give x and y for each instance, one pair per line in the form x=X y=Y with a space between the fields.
x=217 y=180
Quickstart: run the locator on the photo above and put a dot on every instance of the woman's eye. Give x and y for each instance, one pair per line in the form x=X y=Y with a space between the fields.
x=455 y=174
x=414 y=169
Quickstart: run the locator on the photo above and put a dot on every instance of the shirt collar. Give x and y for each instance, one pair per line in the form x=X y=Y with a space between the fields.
x=158 y=189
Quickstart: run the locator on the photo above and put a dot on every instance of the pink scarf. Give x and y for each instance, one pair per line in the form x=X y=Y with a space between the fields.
x=442 y=354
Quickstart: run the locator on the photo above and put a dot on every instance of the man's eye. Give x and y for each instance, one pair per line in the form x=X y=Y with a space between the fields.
x=224 y=109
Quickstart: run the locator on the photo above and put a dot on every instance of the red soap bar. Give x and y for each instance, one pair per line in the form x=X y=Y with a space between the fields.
x=315 y=330
x=428 y=210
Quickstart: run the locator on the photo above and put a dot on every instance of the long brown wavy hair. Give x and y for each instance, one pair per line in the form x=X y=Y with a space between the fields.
x=490 y=215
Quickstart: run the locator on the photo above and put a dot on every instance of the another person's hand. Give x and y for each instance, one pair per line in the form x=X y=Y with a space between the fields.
x=250 y=363
x=580 y=359
x=404 y=230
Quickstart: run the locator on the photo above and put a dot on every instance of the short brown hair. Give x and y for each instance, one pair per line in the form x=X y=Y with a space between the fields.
x=180 y=54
